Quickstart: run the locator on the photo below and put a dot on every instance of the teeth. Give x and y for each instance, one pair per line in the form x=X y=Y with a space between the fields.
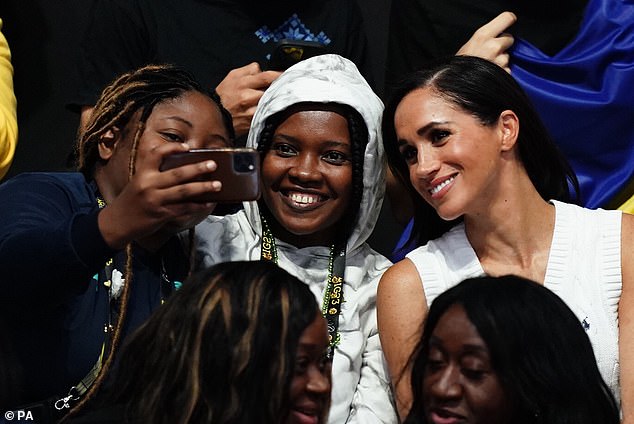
x=303 y=198
x=439 y=187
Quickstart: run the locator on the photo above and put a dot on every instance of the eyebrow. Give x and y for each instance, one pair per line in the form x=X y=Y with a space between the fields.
x=329 y=143
x=468 y=347
x=220 y=137
x=178 y=118
x=190 y=125
x=424 y=129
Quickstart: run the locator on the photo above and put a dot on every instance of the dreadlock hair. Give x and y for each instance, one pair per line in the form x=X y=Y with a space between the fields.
x=222 y=350
x=139 y=90
x=358 y=140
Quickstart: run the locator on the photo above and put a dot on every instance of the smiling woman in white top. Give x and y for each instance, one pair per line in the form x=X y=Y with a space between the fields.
x=491 y=192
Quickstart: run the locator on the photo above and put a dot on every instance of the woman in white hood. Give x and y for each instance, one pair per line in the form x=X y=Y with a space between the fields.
x=318 y=129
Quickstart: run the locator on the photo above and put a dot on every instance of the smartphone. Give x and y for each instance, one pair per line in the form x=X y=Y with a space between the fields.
x=288 y=52
x=238 y=169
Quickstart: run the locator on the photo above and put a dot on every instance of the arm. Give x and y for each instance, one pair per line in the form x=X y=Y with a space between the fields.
x=154 y=206
x=8 y=118
x=626 y=320
x=401 y=308
x=241 y=90
x=50 y=245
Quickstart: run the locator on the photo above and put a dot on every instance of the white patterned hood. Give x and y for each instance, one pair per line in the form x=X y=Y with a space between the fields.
x=330 y=79
x=361 y=394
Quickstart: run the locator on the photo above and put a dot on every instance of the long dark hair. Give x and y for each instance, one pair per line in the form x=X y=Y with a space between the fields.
x=538 y=348
x=484 y=90
x=138 y=90
x=358 y=141
x=221 y=350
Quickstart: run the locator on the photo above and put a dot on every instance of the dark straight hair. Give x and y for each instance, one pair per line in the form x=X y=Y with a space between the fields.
x=484 y=90
x=538 y=349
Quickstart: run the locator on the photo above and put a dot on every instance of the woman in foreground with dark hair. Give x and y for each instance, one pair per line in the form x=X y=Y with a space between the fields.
x=492 y=197
x=506 y=350
x=241 y=342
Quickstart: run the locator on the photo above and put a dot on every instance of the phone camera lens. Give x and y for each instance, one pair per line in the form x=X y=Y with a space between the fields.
x=243 y=162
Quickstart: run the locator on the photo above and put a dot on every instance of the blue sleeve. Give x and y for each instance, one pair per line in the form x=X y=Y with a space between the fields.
x=50 y=244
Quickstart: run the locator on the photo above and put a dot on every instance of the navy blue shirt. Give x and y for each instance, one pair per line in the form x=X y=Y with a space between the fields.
x=54 y=301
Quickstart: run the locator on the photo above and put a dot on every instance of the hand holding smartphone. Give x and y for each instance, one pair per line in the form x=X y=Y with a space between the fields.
x=238 y=169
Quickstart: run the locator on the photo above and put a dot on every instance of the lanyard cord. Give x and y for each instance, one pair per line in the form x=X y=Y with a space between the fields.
x=166 y=287
x=333 y=296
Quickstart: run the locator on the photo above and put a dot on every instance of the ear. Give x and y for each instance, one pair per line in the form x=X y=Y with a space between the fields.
x=509 y=126
x=108 y=142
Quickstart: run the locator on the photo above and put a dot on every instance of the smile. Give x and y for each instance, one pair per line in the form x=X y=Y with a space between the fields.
x=306 y=199
x=435 y=189
x=303 y=200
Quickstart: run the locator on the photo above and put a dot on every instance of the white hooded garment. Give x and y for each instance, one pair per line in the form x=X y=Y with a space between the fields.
x=360 y=382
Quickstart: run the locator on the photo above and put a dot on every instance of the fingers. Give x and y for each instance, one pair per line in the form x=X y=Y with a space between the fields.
x=491 y=42
x=502 y=57
x=240 y=92
x=497 y=25
x=192 y=193
x=264 y=79
x=246 y=77
x=148 y=176
x=250 y=69
x=152 y=152
x=243 y=86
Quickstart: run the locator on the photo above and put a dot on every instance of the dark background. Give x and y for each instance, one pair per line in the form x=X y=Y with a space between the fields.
x=44 y=37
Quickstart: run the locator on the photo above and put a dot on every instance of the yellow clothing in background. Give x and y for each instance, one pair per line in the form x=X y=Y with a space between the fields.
x=8 y=117
x=628 y=206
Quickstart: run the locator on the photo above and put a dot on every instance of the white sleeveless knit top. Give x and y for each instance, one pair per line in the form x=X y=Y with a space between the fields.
x=584 y=269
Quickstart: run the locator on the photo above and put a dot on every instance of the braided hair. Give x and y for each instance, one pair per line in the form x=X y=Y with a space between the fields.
x=358 y=141
x=138 y=90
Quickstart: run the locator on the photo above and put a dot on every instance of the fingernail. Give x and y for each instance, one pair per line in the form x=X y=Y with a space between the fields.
x=217 y=185
x=211 y=165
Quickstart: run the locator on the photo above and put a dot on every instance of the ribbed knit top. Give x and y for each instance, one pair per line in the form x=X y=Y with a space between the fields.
x=584 y=270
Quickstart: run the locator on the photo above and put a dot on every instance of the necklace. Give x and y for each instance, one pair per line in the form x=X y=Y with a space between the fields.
x=333 y=296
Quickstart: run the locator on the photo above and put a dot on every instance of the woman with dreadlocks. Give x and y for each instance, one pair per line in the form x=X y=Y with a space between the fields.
x=318 y=130
x=86 y=256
